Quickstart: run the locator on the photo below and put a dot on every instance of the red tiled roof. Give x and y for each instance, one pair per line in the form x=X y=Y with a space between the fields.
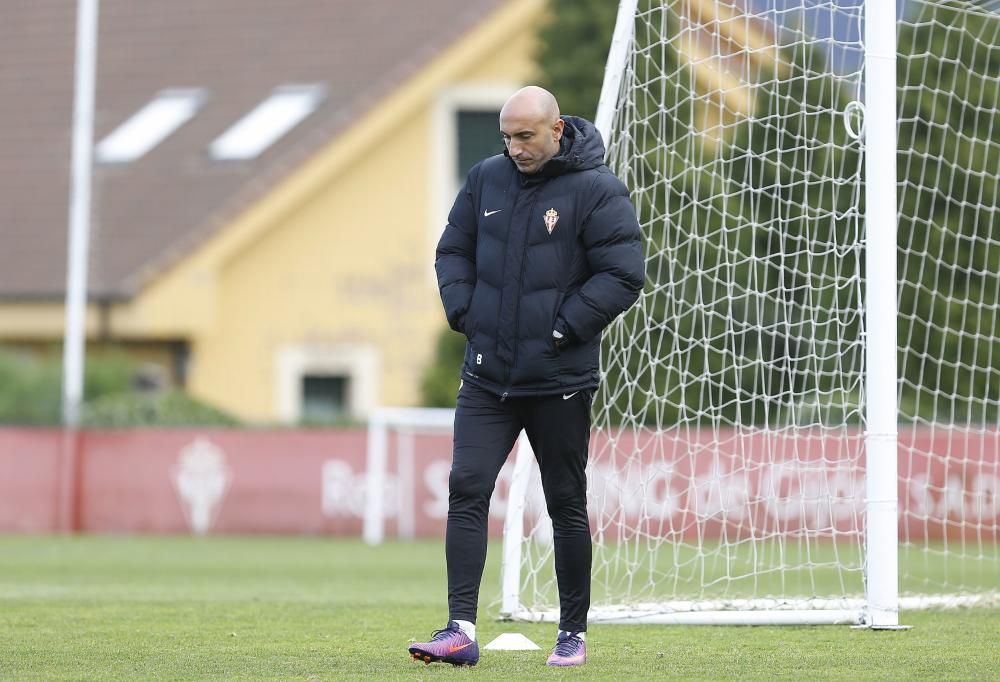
x=150 y=211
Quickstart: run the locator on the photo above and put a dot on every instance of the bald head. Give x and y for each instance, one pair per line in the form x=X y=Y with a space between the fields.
x=531 y=128
x=533 y=102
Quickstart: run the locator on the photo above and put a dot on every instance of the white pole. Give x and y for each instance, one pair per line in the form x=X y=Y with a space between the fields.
x=607 y=105
x=881 y=524
x=79 y=211
x=729 y=617
x=378 y=443
x=513 y=530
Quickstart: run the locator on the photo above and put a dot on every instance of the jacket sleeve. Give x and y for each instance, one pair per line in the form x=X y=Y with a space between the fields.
x=613 y=245
x=455 y=258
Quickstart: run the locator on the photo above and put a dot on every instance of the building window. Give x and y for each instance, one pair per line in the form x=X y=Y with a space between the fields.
x=477 y=137
x=324 y=383
x=325 y=397
x=150 y=126
x=269 y=121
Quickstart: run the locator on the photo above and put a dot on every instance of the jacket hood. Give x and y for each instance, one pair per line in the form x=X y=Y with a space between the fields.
x=581 y=148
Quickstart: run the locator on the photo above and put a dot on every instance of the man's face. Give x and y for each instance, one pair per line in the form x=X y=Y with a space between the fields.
x=531 y=141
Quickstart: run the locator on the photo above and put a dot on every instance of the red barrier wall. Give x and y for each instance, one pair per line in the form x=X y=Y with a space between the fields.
x=29 y=479
x=271 y=481
x=312 y=481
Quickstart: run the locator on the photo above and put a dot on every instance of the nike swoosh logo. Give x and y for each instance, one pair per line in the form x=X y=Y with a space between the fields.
x=453 y=649
x=487 y=214
x=570 y=395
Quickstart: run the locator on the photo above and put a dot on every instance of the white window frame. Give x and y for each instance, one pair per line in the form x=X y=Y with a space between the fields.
x=359 y=363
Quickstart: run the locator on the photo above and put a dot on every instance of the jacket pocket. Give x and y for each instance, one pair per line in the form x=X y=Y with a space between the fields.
x=553 y=346
x=469 y=321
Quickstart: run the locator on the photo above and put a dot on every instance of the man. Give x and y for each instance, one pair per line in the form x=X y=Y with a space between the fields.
x=542 y=250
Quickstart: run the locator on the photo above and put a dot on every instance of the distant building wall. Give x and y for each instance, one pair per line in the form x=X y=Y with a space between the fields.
x=345 y=284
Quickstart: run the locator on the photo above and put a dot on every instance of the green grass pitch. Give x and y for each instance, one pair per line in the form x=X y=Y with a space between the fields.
x=250 y=608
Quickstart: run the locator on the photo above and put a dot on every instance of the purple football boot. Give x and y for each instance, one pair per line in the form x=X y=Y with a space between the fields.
x=569 y=650
x=449 y=645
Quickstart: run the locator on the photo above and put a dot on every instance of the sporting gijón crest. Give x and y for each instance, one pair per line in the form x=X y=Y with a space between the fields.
x=551 y=218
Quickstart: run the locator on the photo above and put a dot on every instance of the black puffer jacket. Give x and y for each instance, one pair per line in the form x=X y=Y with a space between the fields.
x=525 y=254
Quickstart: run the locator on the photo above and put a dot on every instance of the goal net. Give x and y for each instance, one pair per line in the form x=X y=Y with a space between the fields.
x=734 y=427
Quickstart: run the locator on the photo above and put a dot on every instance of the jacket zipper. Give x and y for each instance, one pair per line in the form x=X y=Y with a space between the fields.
x=517 y=311
x=520 y=277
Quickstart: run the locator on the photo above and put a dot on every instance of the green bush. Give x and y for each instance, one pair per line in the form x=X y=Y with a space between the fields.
x=31 y=394
x=31 y=386
x=439 y=386
x=29 y=390
x=159 y=408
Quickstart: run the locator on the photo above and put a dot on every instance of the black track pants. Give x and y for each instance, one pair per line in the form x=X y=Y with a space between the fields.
x=486 y=428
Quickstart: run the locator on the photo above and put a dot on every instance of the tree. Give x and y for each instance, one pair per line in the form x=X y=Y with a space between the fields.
x=743 y=321
x=573 y=51
x=949 y=264
x=949 y=205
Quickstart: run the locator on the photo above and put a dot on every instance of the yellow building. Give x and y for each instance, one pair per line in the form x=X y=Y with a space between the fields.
x=269 y=186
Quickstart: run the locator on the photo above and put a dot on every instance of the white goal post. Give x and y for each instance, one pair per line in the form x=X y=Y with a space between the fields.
x=402 y=422
x=880 y=605
x=791 y=430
